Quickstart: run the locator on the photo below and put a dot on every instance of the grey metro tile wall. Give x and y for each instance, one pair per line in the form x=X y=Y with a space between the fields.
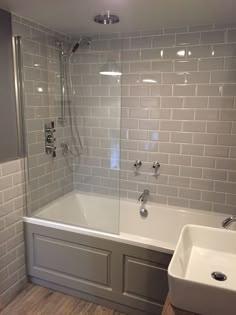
x=49 y=178
x=177 y=107
x=12 y=209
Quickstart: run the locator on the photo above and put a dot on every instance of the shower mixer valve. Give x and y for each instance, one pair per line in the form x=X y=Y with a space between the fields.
x=49 y=131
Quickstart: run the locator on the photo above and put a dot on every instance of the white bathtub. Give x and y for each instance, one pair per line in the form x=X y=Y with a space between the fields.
x=90 y=215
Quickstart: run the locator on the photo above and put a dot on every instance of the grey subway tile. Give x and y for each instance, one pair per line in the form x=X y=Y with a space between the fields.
x=186 y=39
x=212 y=37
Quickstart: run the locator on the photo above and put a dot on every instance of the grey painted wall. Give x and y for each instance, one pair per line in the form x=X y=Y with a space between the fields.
x=8 y=122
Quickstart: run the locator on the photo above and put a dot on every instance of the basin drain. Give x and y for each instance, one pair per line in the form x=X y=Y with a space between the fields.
x=219 y=276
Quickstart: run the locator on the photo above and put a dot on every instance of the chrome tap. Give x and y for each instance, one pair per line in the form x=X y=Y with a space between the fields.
x=137 y=164
x=228 y=221
x=144 y=196
x=156 y=165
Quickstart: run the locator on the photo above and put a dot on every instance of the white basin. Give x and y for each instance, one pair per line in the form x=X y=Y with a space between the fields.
x=201 y=251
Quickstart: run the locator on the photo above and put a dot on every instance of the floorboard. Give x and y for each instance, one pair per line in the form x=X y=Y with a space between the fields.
x=37 y=300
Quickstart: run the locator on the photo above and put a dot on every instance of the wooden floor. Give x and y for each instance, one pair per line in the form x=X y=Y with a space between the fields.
x=171 y=310
x=36 y=300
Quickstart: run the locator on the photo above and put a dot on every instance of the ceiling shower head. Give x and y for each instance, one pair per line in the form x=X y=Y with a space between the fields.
x=106 y=18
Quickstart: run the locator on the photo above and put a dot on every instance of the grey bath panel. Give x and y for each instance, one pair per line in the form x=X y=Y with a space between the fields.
x=83 y=262
x=145 y=279
x=131 y=278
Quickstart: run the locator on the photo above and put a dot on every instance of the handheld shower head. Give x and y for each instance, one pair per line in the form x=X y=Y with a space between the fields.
x=81 y=41
x=76 y=46
x=73 y=49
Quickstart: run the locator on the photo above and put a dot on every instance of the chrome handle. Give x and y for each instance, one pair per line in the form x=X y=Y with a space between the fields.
x=50 y=139
x=137 y=164
x=50 y=147
x=156 y=165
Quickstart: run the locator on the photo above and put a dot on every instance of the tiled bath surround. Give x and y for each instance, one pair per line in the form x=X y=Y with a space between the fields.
x=178 y=108
x=12 y=208
x=49 y=177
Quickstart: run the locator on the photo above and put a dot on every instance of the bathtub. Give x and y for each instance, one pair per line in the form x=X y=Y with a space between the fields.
x=84 y=245
x=120 y=220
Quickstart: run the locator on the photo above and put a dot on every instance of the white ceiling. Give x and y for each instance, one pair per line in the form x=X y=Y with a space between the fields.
x=76 y=16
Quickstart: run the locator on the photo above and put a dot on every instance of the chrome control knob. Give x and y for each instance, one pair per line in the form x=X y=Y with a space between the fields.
x=137 y=164
x=50 y=139
x=156 y=165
